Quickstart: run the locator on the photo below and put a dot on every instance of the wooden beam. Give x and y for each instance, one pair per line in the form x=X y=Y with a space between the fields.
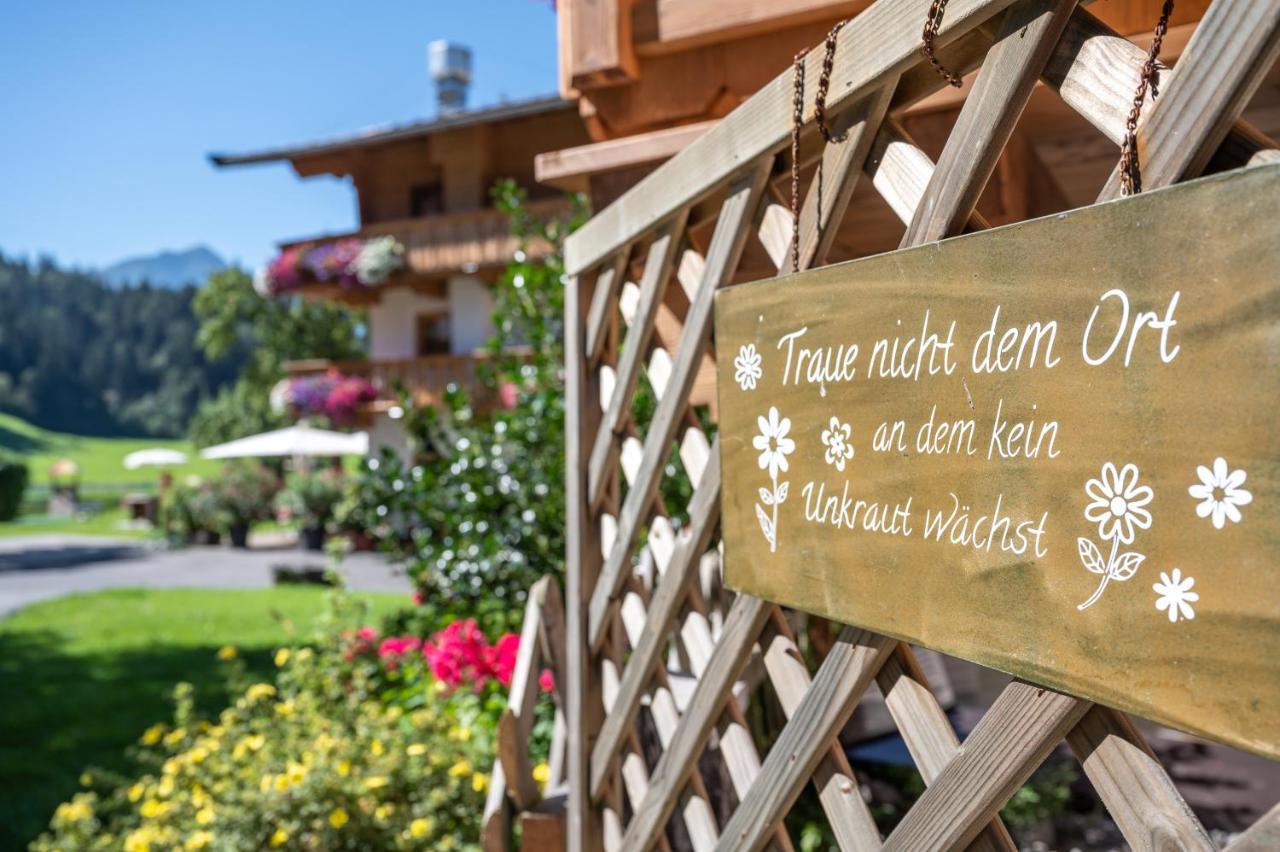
x=882 y=41
x=599 y=47
x=570 y=168
x=666 y=26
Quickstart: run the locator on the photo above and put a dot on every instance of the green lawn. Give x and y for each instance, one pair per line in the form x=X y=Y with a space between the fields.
x=100 y=459
x=81 y=677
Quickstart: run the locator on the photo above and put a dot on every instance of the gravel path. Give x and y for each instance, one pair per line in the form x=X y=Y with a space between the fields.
x=36 y=568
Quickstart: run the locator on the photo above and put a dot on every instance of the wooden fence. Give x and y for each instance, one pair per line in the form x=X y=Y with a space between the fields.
x=661 y=660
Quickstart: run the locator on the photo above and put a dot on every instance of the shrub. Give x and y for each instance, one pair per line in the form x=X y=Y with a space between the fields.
x=311 y=496
x=191 y=506
x=13 y=482
x=245 y=491
x=343 y=751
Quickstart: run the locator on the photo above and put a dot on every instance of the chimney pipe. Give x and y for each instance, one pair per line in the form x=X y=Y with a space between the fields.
x=450 y=67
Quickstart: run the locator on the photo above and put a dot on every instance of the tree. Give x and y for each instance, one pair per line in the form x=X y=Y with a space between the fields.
x=233 y=315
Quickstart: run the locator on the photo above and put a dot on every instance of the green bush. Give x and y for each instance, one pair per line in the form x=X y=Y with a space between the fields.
x=191 y=506
x=311 y=496
x=245 y=491
x=13 y=481
x=356 y=745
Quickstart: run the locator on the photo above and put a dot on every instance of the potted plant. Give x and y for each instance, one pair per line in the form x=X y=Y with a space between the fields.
x=310 y=497
x=191 y=513
x=245 y=491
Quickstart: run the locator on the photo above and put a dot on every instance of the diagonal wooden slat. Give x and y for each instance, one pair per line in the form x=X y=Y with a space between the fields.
x=843 y=676
x=653 y=283
x=603 y=302
x=837 y=787
x=1025 y=40
x=881 y=42
x=1138 y=794
x=1262 y=836
x=722 y=259
x=833 y=184
x=646 y=654
x=1011 y=740
x=1232 y=49
x=926 y=730
x=667 y=780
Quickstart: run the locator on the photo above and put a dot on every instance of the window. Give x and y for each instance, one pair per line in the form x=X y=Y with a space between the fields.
x=426 y=199
x=433 y=333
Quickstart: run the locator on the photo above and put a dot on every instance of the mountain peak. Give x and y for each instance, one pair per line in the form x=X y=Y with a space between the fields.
x=171 y=268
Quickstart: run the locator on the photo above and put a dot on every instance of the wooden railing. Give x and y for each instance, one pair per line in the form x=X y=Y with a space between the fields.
x=426 y=378
x=454 y=242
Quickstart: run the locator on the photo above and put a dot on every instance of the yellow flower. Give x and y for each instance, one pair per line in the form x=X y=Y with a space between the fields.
x=264 y=784
x=420 y=827
x=303 y=655
x=462 y=733
x=259 y=691
x=152 y=735
x=175 y=736
x=297 y=773
x=73 y=811
x=479 y=782
x=152 y=808
x=171 y=766
x=344 y=768
x=255 y=741
x=541 y=773
x=376 y=749
x=86 y=780
x=394 y=713
x=282 y=783
x=204 y=816
x=284 y=708
x=135 y=792
x=373 y=782
x=416 y=750
x=282 y=656
x=384 y=812
x=138 y=841
x=280 y=837
x=461 y=769
x=199 y=840
x=165 y=788
x=338 y=818
x=227 y=653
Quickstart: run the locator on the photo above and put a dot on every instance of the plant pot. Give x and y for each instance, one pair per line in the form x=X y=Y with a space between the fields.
x=239 y=535
x=313 y=538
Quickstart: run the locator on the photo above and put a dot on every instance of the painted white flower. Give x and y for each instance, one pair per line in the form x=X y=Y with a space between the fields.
x=1175 y=595
x=1219 y=493
x=836 y=439
x=773 y=443
x=1117 y=503
x=746 y=367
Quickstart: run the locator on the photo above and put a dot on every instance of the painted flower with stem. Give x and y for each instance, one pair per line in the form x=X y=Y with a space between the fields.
x=774 y=447
x=746 y=367
x=1118 y=506
x=1175 y=595
x=1220 y=494
x=837 y=438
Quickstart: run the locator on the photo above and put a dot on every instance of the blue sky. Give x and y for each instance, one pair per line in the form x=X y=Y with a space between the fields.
x=109 y=111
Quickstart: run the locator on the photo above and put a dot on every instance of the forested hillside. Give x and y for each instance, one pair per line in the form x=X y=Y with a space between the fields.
x=78 y=356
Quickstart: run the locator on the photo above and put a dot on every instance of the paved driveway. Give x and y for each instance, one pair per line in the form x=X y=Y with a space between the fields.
x=36 y=568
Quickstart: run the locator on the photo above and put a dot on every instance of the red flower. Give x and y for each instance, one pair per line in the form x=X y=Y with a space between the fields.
x=501 y=658
x=546 y=681
x=458 y=654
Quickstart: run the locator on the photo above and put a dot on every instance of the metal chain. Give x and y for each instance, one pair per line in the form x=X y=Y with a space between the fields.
x=932 y=23
x=797 y=123
x=1130 y=169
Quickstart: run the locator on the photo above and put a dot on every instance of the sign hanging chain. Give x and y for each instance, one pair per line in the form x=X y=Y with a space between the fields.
x=933 y=22
x=1130 y=169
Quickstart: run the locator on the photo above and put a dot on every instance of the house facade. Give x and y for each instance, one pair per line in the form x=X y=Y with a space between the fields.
x=429 y=236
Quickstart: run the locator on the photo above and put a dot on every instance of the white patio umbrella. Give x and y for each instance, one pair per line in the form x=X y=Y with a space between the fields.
x=154 y=457
x=297 y=440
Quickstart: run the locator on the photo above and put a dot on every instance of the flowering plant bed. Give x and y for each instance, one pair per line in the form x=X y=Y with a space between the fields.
x=350 y=263
x=330 y=394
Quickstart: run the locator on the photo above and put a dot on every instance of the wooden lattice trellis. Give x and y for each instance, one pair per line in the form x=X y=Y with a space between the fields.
x=661 y=660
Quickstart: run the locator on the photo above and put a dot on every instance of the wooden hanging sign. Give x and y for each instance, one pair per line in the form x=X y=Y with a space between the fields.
x=1050 y=448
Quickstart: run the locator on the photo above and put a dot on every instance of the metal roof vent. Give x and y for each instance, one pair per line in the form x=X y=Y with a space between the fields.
x=450 y=67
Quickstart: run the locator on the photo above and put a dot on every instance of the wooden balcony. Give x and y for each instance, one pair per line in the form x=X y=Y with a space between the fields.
x=426 y=378
x=474 y=242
